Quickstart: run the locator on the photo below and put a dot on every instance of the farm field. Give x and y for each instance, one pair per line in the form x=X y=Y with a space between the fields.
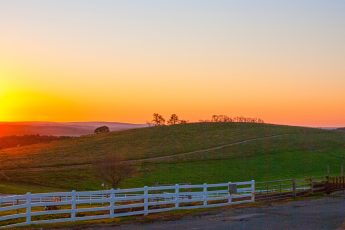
x=189 y=153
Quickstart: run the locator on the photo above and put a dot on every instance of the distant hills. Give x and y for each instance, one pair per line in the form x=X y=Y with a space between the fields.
x=341 y=129
x=60 y=128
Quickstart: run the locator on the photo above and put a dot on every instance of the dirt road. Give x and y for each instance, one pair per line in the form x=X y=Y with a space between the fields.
x=152 y=159
x=323 y=213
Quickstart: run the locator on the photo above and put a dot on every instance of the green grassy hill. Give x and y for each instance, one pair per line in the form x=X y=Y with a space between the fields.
x=190 y=153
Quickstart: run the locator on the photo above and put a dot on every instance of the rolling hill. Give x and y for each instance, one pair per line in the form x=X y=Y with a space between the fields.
x=188 y=153
x=60 y=128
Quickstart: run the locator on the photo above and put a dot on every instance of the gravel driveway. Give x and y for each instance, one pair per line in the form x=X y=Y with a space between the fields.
x=322 y=213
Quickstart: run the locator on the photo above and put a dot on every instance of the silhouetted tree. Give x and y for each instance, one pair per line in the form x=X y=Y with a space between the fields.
x=114 y=170
x=158 y=119
x=260 y=121
x=173 y=119
x=102 y=129
x=221 y=118
x=214 y=118
x=225 y=118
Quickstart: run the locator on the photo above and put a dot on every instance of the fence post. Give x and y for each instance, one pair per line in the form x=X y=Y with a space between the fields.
x=28 y=208
x=230 y=196
x=327 y=184
x=73 y=205
x=205 y=193
x=294 y=188
x=253 y=190
x=311 y=185
x=146 y=200
x=112 y=203
x=177 y=196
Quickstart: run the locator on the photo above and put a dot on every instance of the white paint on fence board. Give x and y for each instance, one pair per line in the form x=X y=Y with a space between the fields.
x=121 y=199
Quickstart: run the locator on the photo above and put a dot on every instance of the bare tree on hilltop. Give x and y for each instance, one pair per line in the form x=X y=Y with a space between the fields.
x=221 y=118
x=158 y=119
x=173 y=120
x=241 y=119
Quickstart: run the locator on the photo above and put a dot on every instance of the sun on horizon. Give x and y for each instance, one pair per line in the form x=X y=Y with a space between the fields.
x=85 y=61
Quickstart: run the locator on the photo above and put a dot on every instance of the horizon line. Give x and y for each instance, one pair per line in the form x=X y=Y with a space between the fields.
x=135 y=123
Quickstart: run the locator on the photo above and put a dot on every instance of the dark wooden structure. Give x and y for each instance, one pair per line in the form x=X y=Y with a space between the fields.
x=291 y=188
x=334 y=184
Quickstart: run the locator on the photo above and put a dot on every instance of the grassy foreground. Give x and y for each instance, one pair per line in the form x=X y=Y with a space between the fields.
x=280 y=152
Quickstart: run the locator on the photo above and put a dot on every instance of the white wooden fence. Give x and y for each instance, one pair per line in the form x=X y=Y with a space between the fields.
x=22 y=210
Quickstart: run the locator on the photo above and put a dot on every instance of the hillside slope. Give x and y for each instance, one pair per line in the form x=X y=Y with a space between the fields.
x=200 y=152
x=60 y=128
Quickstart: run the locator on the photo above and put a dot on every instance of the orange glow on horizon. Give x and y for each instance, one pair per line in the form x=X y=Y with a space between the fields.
x=82 y=102
x=118 y=63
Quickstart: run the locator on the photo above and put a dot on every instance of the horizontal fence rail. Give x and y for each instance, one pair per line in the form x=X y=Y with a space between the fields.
x=22 y=210
x=292 y=188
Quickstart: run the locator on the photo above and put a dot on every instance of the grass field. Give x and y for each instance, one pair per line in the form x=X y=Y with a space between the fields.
x=190 y=153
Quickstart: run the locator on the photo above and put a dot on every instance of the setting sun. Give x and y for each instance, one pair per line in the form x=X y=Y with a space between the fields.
x=195 y=64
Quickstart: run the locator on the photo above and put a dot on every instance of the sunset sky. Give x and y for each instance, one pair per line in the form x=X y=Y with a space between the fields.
x=104 y=60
